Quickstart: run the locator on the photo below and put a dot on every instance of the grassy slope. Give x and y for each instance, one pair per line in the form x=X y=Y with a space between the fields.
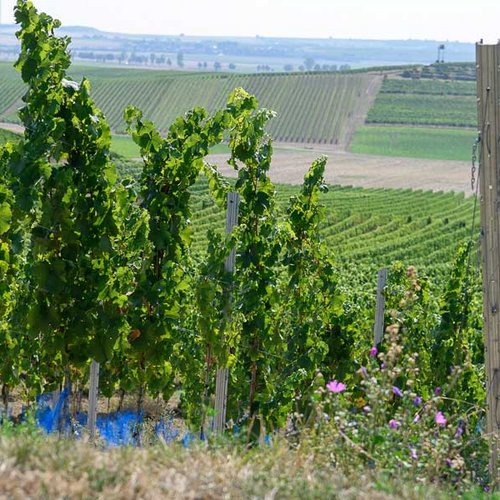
x=124 y=146
x=415 y=142
x=310 y=107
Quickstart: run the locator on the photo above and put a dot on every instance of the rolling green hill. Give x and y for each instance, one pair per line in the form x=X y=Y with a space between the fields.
x=311 y=108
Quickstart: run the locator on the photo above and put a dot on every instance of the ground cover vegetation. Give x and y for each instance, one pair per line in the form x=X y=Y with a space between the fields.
x=96 y=266
x=415 y=142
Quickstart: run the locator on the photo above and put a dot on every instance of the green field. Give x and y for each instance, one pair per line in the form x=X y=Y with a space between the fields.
x=6 y=135
x=311 y=108
x=415 y=142
x=123 y=145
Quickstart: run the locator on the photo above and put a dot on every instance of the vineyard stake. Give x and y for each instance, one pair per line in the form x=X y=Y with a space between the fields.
x=488 y=104
x=233 y=203
x=378 y=329
x=93 y=390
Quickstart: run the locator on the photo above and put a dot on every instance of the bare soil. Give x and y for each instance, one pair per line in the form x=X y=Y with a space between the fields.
x=348 y=169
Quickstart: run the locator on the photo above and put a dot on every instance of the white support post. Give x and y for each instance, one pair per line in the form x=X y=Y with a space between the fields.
x=93 y=391
x=233 y=202
x=378 y=329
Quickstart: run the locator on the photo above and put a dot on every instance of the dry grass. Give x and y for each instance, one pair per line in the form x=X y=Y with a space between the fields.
x=34 y=466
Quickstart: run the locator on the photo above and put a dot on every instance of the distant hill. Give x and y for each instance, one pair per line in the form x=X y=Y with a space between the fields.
x=244 y=54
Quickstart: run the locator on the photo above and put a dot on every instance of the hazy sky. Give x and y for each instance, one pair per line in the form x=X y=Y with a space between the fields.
x=377 y=19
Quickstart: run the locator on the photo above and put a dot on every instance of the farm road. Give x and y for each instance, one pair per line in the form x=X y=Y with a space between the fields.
x=289 y=166
x=290 y=163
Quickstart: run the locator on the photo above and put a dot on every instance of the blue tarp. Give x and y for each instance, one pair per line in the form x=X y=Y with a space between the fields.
x=120 y=428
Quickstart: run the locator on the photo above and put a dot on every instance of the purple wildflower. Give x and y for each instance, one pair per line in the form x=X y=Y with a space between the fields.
x=460 y=429
x=397 y=391
x=367 y=409
x=382 y=366
x=437 y=391
x=394 y=424
x=335 y=386
x=413 y=453
x=417 y=401
x=373 y=352
x=416 y=418
x=440 y=419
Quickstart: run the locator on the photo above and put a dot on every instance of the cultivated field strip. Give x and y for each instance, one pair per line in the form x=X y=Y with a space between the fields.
x=425 y=102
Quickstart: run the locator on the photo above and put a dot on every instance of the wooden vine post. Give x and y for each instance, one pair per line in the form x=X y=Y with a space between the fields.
x=93 y=392
x=488 y=101
x=378 y=329
x=233 y=203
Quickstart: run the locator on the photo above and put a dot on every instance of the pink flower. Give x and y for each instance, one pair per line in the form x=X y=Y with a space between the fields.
x=394 y=424
x=440 y=419
x=373 y=352
x=413 y=453
x=335 y=386
x=416 y=419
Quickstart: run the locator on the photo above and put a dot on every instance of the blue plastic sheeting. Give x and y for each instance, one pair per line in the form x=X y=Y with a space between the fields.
x=121 y=428
x=166 y=432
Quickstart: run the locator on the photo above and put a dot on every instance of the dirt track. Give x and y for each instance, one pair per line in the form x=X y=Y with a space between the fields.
x=290 y=165
x=291 y=162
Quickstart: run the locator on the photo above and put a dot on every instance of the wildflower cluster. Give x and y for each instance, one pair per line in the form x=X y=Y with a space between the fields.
x=381 y=421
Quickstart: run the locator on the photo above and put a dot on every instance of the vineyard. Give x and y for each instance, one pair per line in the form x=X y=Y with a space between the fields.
x=164 y=95
x=424 y=109
x=246 y=303
x=370 y=228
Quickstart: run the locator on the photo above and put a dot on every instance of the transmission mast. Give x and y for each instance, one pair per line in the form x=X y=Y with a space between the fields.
x=440 y=58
